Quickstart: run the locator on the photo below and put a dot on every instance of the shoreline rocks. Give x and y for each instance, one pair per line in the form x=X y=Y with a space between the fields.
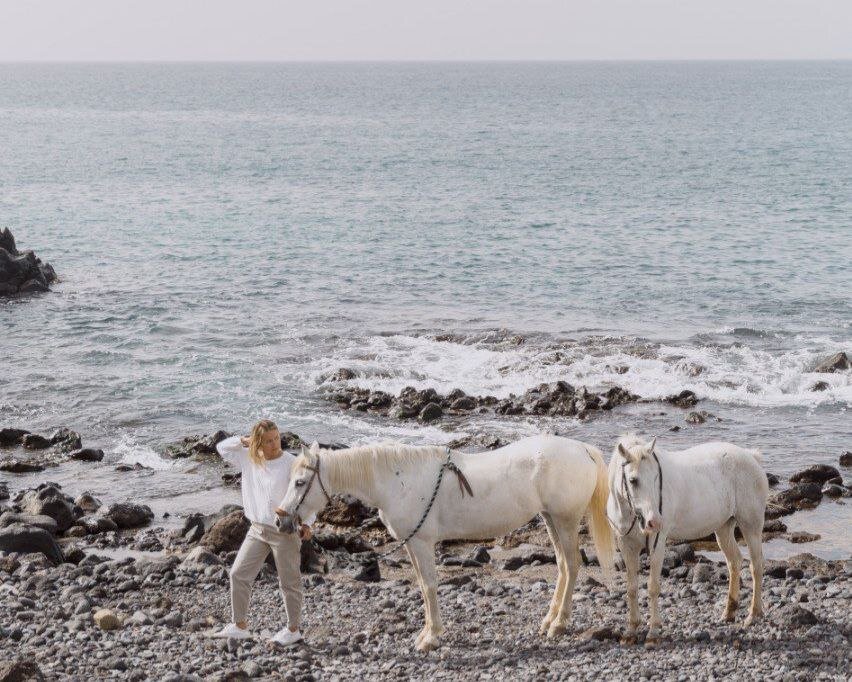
x=22 y=272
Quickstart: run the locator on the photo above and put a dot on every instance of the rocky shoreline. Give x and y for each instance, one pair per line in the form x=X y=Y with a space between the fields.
x=22 y=272
x=99 y=590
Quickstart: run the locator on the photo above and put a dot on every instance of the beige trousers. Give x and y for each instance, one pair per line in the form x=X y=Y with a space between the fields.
x=286 y=550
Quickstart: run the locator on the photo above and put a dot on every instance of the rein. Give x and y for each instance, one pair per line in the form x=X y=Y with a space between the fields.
x=314 y=475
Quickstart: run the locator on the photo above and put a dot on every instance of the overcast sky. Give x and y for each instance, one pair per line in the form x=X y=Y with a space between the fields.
x=279 y=30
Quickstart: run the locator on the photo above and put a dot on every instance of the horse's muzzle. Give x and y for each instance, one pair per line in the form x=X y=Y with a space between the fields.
x=285 y=523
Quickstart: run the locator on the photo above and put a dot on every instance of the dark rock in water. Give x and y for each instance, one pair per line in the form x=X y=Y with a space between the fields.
x=49 y=500
x=10 y=436
x=836 y=363
x=820 y=386
x=683 y=399
x=197 y=445
x=800 y=496
x=312 y=559
x=38 y=520
x=136 y=466
x=833 y=490
x=772 y=479
x=794 y=615
x=88 y=502
x=21 y=272
x=289 y=441
x=87 y=455
x=463 y=403
x=4 y=490
x=346 y=511
x=801 y=536
x=29 y=540
x=696 y=418
x=228 y=533
x=128 y=514
x=846 y=459
x=774 y=526
x=342 y=374
x=196 y=525
x=430 y=412
x=818 y=473
x=66 y=440
x=18 y=466
x=22 y=670
x=33 y=441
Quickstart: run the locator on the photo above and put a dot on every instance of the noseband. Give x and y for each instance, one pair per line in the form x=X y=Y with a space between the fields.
x=637 y=515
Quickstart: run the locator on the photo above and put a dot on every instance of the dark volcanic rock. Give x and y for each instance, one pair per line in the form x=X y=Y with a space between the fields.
x=128 y=514
x=846 y=459
x=836 y=363
x=800 y=496
x=87 y=455
x=49 y=500
x=196 y=525
x=228 y=533
x=21 y=272
x=818 y=473
x=430 y=412
x=39 y=520
x=197 y=445
x=19 y=466
x=28 y=540
x=820 y=386
x=22 y=670
x=4 y=491
x=10 y=436
x=33 y=441
x=684 y=399
x=346 y=511
x=66 y=440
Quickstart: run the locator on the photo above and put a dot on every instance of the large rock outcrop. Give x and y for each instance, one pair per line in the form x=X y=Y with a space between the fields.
x=21 y=272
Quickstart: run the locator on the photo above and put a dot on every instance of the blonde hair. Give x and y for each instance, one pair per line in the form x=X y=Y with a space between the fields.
x=258 y=431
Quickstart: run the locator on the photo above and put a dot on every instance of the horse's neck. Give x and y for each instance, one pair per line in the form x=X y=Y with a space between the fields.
x=368 y=487
x=675 y=482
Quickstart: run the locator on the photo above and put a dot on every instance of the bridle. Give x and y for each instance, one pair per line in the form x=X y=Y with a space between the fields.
x=315 y=475
x=637 y=515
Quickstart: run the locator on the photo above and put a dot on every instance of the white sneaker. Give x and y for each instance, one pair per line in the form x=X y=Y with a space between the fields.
x=285 y=637
x=232 y=631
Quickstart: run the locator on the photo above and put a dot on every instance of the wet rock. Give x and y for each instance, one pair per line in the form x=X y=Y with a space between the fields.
x=463 y=404
x=833 y=490
x=342 y=374
x=87 y=455
x=38 y=520
x=818 y=473
x=799 y=537
x=66 y=440
x=346 y=511
x=192 y=446
x=430 y=413
x=49 y=500
x=34 y=441
x=800 y=496
x=199 y=559
x=820 y=386
x=106 y=620
x=696 y=417
x=18 y=466
x=846 y=459
x=4 y=491
x=21 y=272
x=683 y=399
x=227 y=534
x=772 y=479
x=25 y=539
x=774 y=526
x=22 y=670
x=10 y=436
x=836 y=363
x=136 y=466
x=88 y=503
x=128 y=514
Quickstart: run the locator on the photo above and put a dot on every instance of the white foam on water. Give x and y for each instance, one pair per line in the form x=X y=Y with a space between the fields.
x=130 y=451
x=733 y=373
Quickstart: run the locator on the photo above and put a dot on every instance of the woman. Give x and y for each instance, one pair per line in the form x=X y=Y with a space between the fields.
x=265 y=470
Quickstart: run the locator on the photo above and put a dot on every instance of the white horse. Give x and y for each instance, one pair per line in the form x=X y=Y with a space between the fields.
x=686 y=495
x=560 y=479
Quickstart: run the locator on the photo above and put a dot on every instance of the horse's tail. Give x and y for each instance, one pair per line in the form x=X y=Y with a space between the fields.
x=598 y=522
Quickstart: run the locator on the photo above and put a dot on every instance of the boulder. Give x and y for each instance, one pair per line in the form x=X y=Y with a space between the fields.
x=346 y=511
x=312 y=559
x=106 y=620
x=21 y=272
x=38 y=520
x=128 y=514
x=49 y=500
x=204 y=445
x=10 y=436
x=34 y=441
x=66 y=440
x=200 y=558
x=227 y=534
x=800 y=496
x=430 y=413
x=846 y=459
x=87 y=455
x=22 y=670
x=25 y=539
x=818 y=473
x=836 y=363
x=820 y=386
x=20 y=466
x=195 y=525
x=88 y=502
x=683 y=399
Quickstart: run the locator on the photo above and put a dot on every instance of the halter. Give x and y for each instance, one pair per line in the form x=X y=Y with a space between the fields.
x=314 y=475
x=637 y=515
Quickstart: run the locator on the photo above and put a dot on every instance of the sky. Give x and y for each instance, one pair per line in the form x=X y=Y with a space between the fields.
x=343 y=30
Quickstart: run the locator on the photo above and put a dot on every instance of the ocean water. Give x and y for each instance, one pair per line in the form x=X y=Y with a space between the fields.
x=227 y=235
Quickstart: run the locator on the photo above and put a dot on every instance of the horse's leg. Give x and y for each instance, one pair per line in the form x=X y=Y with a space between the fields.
x=568 y=535
x=753 y=534
x=424 y=553
x=630 y=554
x=413 y=558
x=654 y=573
x=562 y=571
x=728 y=545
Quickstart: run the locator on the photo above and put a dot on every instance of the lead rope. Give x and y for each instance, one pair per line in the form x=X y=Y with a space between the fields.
x=446 y=465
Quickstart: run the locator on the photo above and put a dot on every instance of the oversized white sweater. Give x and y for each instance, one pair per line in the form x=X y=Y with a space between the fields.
x=263 y=486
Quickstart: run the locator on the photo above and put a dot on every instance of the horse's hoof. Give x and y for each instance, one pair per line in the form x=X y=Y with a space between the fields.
x=652 y=642
x=728 y=617
x=545 y=625
x=555 y=630
x=628 y=640
x=752 y=619
x=428 y=643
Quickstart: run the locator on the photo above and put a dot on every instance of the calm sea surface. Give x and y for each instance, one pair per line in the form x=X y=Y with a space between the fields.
x=227 y=235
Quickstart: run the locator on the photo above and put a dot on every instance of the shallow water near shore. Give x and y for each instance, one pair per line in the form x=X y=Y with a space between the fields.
x=227 y=236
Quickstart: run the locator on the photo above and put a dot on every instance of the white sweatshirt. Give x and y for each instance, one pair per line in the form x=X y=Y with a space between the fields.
x=263 y=486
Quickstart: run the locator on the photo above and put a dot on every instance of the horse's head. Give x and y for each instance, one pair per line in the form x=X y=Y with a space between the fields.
x=638 y=481
x=305 y=493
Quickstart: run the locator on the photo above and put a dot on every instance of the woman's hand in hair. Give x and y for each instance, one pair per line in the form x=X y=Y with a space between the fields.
x=245 y=441
x=305 y=532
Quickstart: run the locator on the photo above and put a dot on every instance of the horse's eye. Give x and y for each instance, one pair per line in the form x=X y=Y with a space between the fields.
x=634 y=480
x=300 y=482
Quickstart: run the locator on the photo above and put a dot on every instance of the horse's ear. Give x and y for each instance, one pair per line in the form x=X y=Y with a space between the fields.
x=623 y=451
x=304 y=451
x=315 y=448
x=651 y=446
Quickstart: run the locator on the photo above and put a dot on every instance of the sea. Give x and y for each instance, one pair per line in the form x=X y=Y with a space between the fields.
x=228 y=235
